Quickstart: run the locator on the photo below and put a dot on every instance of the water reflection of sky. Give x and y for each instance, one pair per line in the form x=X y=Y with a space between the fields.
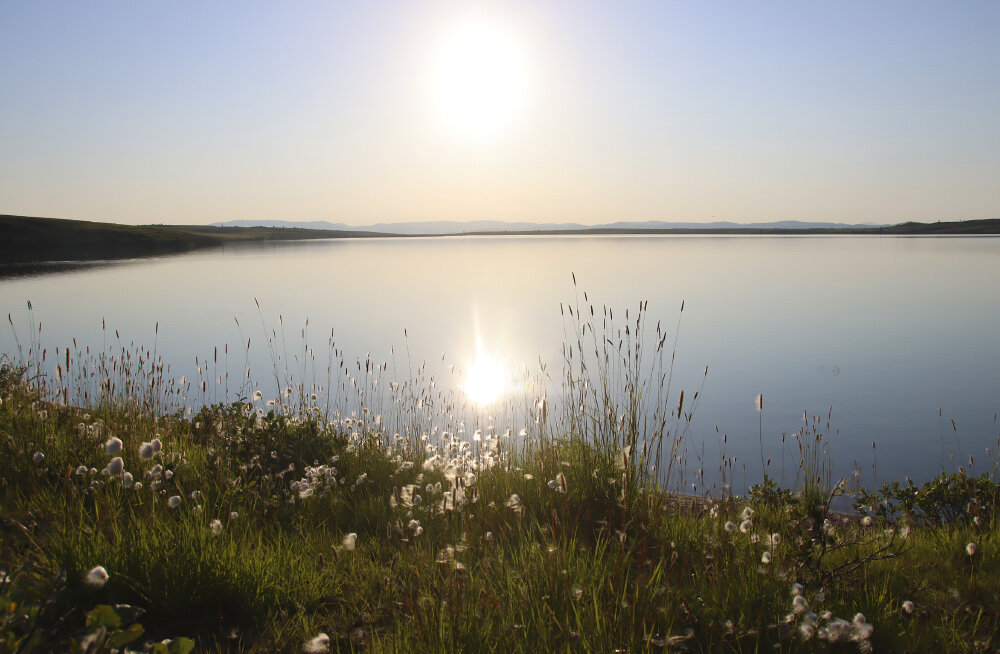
x=883 y=330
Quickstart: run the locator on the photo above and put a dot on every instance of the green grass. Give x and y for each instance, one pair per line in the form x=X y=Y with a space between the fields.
x=586 y=566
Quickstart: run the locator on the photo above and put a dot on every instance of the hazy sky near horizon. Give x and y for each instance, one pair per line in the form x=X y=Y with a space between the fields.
x=564 y=111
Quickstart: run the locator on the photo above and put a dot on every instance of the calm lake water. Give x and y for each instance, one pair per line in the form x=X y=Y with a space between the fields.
x=885 y=331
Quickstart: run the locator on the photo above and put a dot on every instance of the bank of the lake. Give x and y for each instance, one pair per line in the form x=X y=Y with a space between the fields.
x=257 y=526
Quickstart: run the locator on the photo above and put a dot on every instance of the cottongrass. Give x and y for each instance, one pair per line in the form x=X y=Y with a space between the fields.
x=116 y=466
x=96 y=577
x=320 y=643
x=113 y=446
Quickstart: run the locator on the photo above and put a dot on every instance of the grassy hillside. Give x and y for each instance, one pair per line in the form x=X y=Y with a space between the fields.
x=24 y=239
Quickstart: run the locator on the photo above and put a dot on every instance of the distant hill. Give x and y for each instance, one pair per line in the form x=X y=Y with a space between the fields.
x=26 y=239
x=437 y=227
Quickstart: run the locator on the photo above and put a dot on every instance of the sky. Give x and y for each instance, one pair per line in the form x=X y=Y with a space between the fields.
x=190 y=112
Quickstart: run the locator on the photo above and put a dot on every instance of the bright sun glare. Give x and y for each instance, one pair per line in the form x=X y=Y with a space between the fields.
x=486 y=380
x=479 y=80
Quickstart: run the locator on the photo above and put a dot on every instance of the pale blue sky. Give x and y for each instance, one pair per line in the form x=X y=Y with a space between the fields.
x=193 y=112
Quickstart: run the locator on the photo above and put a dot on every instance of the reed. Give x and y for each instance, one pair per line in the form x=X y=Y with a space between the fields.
x=348 y=508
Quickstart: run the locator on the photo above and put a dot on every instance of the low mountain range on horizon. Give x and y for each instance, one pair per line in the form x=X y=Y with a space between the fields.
x=471 y=226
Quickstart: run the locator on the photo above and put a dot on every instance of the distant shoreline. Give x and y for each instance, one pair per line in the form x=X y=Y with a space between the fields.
x=30 y=240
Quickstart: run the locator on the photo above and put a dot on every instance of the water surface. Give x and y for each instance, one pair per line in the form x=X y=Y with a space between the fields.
x=885 y=331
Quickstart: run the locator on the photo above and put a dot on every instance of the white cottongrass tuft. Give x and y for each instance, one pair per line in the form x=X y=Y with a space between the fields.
x=81 y=470
x=137 y=486
x=765 y=558
x=38 y=457
x=216 y=527
x=729 y=526
x=174 y=501
x=317 y=645
x=971 y=549
x=113 y=446
x=747 y=514
x=746 y=526
x=116 y=466
x=836 y=630
x=908 y=606
x=96 y=577
x=234 y=515
x=126 y=479
x=799 y=604
x=157 y=445
x=350 y=541
x=146 y=451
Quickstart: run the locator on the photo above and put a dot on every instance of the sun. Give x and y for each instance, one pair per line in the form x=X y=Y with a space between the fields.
x=486 y=379
x=479 y=80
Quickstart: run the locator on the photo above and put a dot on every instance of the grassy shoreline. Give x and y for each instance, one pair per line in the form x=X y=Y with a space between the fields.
x=294 y=529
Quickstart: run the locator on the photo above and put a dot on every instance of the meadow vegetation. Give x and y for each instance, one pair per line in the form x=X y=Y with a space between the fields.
x=387 y=517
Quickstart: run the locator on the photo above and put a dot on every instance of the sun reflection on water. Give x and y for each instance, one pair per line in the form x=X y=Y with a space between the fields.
x=486 y=380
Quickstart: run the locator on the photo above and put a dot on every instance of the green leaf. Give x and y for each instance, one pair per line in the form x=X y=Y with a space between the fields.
x=122 y=638
x=103 y=615
x=181 y=645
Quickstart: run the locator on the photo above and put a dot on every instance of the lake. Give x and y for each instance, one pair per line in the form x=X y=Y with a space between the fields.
x=891 y=338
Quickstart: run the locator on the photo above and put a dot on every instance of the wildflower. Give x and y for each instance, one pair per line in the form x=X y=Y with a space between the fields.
x=867 y=521
x=96 y=577
x=216 y=527
x=113 y=445
x=137 y=486
x=116 y=466
x=836 y=630
x=418 y=531
x=807 y=631
x=157 y=445
x=774 y=539
x=488 y=537
x=126 y=479
x=514 y=501
x=146 y=451
x=38 y=457
x=729 y=526
x=860 y=629
x=799 y=604
x=317 y=645
x=908 y=606
x=233 y=515
x=747 y=514
x=349 y=541
x=577 y=592
x=746 y=526
x=197 y=509
x=81 y=470
x=971 y=549
x=257 y=395
x=413 y=525
x=174 y=501
x=765 y=558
